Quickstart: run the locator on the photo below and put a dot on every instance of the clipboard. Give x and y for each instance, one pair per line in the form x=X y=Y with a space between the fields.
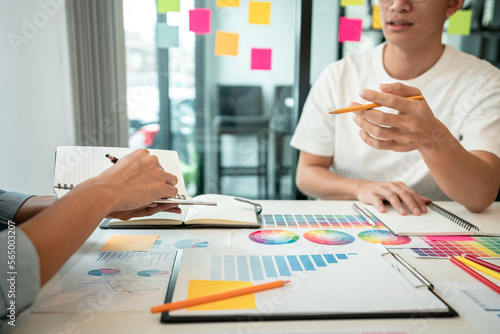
x=408 y=279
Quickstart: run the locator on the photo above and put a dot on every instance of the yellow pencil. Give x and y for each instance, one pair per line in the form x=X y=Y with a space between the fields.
x=479 y=267
x=217 y=296
x=368 y=106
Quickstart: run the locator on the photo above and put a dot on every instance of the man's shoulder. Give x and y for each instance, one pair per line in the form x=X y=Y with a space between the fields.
x=469 y=62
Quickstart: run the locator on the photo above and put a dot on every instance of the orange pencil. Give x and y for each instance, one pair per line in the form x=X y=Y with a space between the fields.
x=217 y=296
x=367 y=106
x=480 y=278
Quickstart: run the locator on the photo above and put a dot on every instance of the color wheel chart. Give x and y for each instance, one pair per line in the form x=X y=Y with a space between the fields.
x=458 y=245
x=384 y=237
x=273 y=237
x=261 y=267
x=316 y=221
x=329 y=237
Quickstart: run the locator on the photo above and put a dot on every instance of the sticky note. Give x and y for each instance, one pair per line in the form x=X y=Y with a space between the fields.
x=460 y=22
x=226 y=43
x=165 y=6
x=344 y=3
x=228 y=3
x=166 y=36
x=199 y=288
x=199 y=20
x=261 y=59
x=259 y=12
x=376 y=20
x=129 y=243
x=350 y=29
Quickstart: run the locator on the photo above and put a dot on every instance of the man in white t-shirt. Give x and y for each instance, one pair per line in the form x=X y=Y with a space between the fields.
x=408 y=151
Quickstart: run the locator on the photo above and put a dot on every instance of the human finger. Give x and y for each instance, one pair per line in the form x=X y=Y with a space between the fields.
x=400 y=89
x=409 y=198
x=387 y=100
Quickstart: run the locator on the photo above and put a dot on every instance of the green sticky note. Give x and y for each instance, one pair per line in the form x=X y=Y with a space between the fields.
x=460 y=23
x=165 y=6
x=344 y=3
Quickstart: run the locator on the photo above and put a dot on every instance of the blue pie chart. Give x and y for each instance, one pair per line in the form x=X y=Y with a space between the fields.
x=191 y=243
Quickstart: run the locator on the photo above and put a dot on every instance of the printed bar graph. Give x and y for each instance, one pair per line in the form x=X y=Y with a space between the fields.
x=316 y=221
x=151 y=257
x=262 y=267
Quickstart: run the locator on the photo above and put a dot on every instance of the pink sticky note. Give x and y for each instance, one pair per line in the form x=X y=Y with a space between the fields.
x=199 y=21
x=350 y=29
x=261 y=59
x=451 y=238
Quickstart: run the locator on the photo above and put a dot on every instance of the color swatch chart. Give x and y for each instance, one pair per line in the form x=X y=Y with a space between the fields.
x=261 y=267
x=458 y=245
x=316 y=221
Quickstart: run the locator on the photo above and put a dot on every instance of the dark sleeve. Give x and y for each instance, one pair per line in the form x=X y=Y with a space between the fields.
x=10 y=202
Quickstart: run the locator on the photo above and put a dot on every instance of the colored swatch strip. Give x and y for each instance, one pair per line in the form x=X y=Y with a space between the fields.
x=477 y=246
x=261 y=267
x=316 y=221
x=151 y=257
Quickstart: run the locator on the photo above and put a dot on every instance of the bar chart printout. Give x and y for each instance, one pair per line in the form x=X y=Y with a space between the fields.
x=264 y=267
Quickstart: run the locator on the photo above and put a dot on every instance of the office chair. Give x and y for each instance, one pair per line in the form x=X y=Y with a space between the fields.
x=240 y=112
x=281 y=125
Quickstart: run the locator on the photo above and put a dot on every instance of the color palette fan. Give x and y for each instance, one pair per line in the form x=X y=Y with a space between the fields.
x=446 y=246
x=273 y=237
x=329 y=237
x=384 y=237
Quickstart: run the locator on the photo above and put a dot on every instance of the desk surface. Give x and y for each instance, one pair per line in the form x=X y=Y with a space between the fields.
x=436 y=270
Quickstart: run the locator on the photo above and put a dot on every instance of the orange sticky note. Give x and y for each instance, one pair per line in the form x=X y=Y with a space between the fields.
x=129 y=243
x=226 y=43
x=376 y=20
x=199 y=288
x=259 y=12
x=228 y=3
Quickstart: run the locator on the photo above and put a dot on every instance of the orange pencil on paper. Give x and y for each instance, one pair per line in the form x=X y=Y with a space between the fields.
x=368 y=106
x=217 y=296
x=480 y=278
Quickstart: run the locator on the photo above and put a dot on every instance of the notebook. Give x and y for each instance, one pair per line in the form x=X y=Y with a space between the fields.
x=75 y=164
x=229 y=212
x=447 y=218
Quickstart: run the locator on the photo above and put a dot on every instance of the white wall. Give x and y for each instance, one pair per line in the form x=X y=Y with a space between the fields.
x=35 y=94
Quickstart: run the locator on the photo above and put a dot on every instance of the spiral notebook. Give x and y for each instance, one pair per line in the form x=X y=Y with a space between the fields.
x=447 y=218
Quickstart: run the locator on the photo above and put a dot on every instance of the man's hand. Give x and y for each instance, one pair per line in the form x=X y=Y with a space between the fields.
x=397 y=194
x=414 y=127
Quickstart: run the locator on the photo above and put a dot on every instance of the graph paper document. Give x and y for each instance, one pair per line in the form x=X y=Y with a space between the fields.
x=346 y=283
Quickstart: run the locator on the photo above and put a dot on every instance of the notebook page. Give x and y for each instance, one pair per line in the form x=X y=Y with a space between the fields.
x=430 y=223
x=75 y=164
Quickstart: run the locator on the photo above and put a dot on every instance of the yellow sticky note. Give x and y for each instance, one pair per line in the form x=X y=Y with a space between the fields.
x=460 y=23
x=344 y=3
x=259 y=12
x=129 y=243
x=226 y=43
x=377 y=22
x=199 y=288
x=228 y=3
x=165 y=6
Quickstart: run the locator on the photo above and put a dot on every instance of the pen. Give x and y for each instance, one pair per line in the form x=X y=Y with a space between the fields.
x=112 y=158
x=363 y=214
x=480 y=278
x=482 y=262
x=368 y=106
x=217 y=296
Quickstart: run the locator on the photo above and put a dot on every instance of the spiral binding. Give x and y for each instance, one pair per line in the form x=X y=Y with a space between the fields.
x=454 y=218
x=65 y=186
x=179 y=196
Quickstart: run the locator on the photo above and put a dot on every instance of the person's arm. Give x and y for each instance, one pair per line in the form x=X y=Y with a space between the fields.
x=315 y=178
x=33 y=206
x=135 y=181
x=470 y=178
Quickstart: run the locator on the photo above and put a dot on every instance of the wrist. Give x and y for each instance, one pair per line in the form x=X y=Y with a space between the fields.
x=439 y=141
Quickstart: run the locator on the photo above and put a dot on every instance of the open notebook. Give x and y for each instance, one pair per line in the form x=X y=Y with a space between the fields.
x=447 y=218
x=229 y=212
x=75 y=164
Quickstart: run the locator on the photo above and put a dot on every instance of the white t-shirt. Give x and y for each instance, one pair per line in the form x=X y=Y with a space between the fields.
x=462 y=91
